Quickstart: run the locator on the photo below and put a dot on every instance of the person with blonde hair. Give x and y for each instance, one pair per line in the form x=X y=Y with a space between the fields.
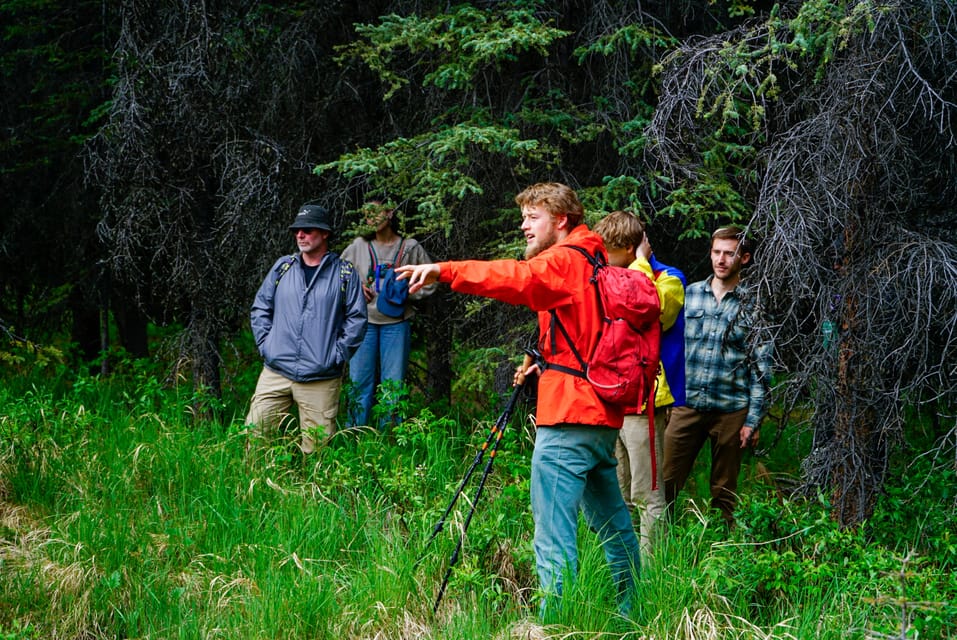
x=640 y=446
x=573 y=463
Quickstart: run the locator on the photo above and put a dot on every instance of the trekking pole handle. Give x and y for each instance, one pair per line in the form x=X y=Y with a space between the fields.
x=532 y=357
x=519 y=378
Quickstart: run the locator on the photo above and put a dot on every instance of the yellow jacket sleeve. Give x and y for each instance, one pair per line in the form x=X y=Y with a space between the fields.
x=671 y=294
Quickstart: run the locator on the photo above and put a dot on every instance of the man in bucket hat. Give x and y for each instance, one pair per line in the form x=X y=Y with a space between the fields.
x=308 y=318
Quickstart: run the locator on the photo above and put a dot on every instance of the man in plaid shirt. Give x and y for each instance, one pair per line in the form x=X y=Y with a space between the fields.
x=726 y=377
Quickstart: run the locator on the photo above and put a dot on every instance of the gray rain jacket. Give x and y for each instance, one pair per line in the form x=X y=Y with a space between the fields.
x=308 y=331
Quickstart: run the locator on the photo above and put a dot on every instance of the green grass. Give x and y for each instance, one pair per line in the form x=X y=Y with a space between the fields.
x=122 y=517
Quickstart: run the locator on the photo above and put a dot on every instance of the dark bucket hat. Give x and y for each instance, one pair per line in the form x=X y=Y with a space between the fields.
x=311 y=216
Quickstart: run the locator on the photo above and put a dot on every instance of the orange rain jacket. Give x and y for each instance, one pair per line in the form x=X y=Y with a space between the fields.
x=557 y=278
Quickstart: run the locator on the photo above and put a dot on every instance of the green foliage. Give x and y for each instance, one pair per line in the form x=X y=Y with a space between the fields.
x=743 y=71
x=740 y=8
x=633 y=38
x=453 y=46
x=17 y=631
x=618 y=192
x=633 y=138
x=556 y=114
x=393 y=400
x=432 y=169
x=805 y=552
x=903 y=521
x=443 y=166
x=736 y=79
x=23 y=355
x=143 y=520
x=821 y=28
x=704 y=204
x=923 y=537
x=474 y=383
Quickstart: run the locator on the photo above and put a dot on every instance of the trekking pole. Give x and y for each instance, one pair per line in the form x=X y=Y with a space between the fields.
x=494 y=437
x=496 y=428
x=458 y=492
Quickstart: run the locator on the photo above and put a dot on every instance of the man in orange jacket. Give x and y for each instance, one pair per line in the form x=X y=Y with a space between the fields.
x=573 y=464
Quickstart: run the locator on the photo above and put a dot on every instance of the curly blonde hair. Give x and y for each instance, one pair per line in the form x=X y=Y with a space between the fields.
x=556 y=198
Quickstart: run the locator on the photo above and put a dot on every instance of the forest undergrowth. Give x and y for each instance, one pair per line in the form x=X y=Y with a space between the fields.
x=124 y=515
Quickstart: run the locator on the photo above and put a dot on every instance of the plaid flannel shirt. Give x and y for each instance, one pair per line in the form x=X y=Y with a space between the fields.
x=726 y=368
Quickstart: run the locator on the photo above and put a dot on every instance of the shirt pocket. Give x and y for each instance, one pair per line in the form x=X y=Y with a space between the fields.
x=694 y=323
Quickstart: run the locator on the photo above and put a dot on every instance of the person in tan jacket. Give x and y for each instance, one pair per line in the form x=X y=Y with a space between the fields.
x=384 y=352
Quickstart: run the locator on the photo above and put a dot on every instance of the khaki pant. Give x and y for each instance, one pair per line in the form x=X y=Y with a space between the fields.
x=318 y=404
x=633 y=451
x=687 y=432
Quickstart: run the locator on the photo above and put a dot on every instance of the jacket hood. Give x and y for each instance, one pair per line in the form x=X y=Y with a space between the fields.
x=580 y=236
x=585 y=238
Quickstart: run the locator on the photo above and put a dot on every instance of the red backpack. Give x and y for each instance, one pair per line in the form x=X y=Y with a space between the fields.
x=624 y=365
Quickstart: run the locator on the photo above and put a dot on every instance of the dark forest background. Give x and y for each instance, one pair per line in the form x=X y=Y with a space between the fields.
x=153 y=154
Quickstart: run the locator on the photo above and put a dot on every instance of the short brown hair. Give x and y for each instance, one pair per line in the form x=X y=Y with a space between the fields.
x=620 y=230
x=733 y=232
x=556 y=198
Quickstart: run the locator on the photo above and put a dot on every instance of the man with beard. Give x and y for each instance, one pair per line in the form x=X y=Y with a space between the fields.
x=727 y=372
x=573 y=464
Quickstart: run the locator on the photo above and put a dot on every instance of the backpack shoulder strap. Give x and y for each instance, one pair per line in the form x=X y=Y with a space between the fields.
x=555 y=322
x=372 y=255
x=591 y=259
x=345 y=272
x=597 y=262
x=284 y=267
x=398 y=254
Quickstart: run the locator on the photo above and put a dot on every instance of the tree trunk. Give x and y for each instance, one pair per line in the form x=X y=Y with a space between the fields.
x=858 y=453
x=439 y=346
x=131 y=324
x=853 y=487
x=201 y=350
x=204 y=330
x=85 y=330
